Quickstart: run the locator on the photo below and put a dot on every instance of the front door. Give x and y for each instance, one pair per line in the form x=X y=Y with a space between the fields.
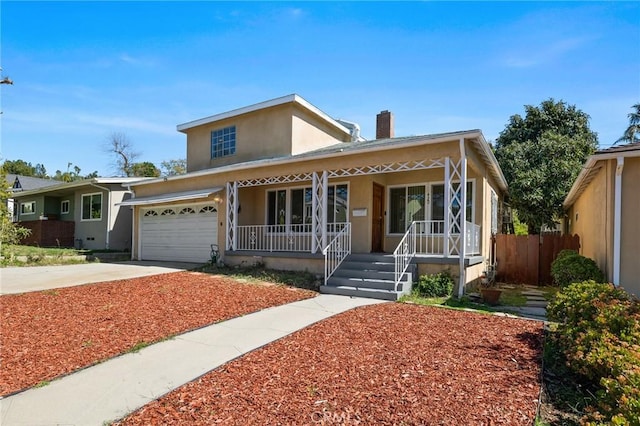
x=377 y=218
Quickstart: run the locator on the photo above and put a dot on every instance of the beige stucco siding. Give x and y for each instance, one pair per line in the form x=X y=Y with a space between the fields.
x=590 y=219
x=272 y=132
x=310 y=133
x=630 y=229
x=257 y=136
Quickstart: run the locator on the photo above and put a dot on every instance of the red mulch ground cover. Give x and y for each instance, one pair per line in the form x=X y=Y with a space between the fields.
x=381 y=364
x=50 y=333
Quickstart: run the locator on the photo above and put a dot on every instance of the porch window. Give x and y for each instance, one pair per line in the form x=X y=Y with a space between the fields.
x=438 y=207
x=294 y=206
x=64 y=207
x=407 y=204
x=92 y=206
x=411 y=203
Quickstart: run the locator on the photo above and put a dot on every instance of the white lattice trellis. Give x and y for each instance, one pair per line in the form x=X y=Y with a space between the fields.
x=319 y=188
x=351 y=171
x=232 y=215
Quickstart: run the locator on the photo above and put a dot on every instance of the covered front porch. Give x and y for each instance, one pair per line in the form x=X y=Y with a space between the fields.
x=408 y=212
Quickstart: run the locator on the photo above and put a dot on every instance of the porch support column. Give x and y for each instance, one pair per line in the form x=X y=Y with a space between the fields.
x=232 y=215
x=319 y=206
x=463 y=217
x=617 y=220
x=447 y=203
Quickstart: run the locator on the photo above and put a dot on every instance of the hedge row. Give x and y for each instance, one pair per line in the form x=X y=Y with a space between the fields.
x=599 y=332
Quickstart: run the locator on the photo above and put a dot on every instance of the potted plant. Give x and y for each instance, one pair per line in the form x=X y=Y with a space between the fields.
x=488 y=290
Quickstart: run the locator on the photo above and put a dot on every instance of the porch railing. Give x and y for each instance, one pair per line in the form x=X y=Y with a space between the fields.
x=430 y=237
x=472 y=239
x=405 y=251
x=293 y=238
x=336 y=251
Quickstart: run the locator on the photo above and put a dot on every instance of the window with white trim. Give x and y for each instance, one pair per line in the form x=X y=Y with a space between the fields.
x=91 y=206
x=64 y=207
x=294 y=206
x=28 y=208
x=422 y=202
x=223 y=142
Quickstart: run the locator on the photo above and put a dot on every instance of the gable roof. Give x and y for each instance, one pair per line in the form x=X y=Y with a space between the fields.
x=340 y=149
x=593 y=165
x=27 y=183
x=64 y=186
x=293 y=98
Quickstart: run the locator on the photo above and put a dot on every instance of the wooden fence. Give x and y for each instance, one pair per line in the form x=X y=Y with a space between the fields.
x=527 y=258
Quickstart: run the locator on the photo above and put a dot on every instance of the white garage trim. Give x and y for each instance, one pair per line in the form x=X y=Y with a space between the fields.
x=171 y=197
x=182 y=232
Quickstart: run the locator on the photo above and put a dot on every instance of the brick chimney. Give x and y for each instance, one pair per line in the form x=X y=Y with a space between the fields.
x=384 y=125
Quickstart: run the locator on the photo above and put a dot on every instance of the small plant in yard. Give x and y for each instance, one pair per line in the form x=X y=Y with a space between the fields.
x=138 y=346
x=570 y=267
x=599 y=334
x=435 y=285
x=300 y=279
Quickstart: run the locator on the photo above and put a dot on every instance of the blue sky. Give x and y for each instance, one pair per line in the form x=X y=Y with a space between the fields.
x=83 y=70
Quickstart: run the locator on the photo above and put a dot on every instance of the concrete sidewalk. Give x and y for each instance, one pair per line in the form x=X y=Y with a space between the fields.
x=113 y=389
x=37 y=278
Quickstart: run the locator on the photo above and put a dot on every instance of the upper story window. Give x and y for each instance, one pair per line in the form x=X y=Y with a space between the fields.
x=223 y=142
x=92 y=206
x=28 y=208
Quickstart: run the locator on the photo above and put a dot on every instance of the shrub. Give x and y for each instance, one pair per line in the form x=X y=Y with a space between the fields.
x=564 y=253
x=570 y=268
x=435 y=285
x=599 y=333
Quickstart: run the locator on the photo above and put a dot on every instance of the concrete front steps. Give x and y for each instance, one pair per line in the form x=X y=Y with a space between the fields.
x=369 y=275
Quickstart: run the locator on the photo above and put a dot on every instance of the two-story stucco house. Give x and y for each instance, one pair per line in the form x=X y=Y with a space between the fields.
x=284 y=184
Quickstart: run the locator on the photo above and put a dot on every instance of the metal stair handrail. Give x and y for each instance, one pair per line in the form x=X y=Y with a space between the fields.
x=336 y=251
x=404 y=253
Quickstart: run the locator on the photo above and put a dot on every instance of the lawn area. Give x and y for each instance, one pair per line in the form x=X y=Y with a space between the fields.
x=51 y=333
x=20 y=255
x=389 y=363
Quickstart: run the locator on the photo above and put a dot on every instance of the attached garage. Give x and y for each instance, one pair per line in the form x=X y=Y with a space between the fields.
x=178 y=232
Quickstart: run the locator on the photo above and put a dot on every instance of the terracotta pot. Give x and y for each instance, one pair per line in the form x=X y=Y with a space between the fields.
x=491 y=296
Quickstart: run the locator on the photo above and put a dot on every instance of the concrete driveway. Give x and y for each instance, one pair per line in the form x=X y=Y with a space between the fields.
x=37 y=278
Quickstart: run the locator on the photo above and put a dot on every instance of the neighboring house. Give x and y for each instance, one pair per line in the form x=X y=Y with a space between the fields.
x=83 y=214
x=19 y=183
x=602 y=208
x=284 y=184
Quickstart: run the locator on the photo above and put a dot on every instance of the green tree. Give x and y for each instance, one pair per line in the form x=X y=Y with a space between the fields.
x=73 y=175
x=20 y=167
x=541 y=156
x=632 y=134
x=174 y=167
x=144 y=169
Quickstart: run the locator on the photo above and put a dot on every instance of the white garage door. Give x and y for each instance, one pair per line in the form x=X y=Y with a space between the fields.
x=181 y=233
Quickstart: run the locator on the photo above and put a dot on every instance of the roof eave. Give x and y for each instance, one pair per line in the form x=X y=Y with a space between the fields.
x=578 y=185
x=293 y=98
x=471 y=134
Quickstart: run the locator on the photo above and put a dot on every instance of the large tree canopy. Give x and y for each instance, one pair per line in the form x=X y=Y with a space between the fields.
x=540 y=156
x=21 y=167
